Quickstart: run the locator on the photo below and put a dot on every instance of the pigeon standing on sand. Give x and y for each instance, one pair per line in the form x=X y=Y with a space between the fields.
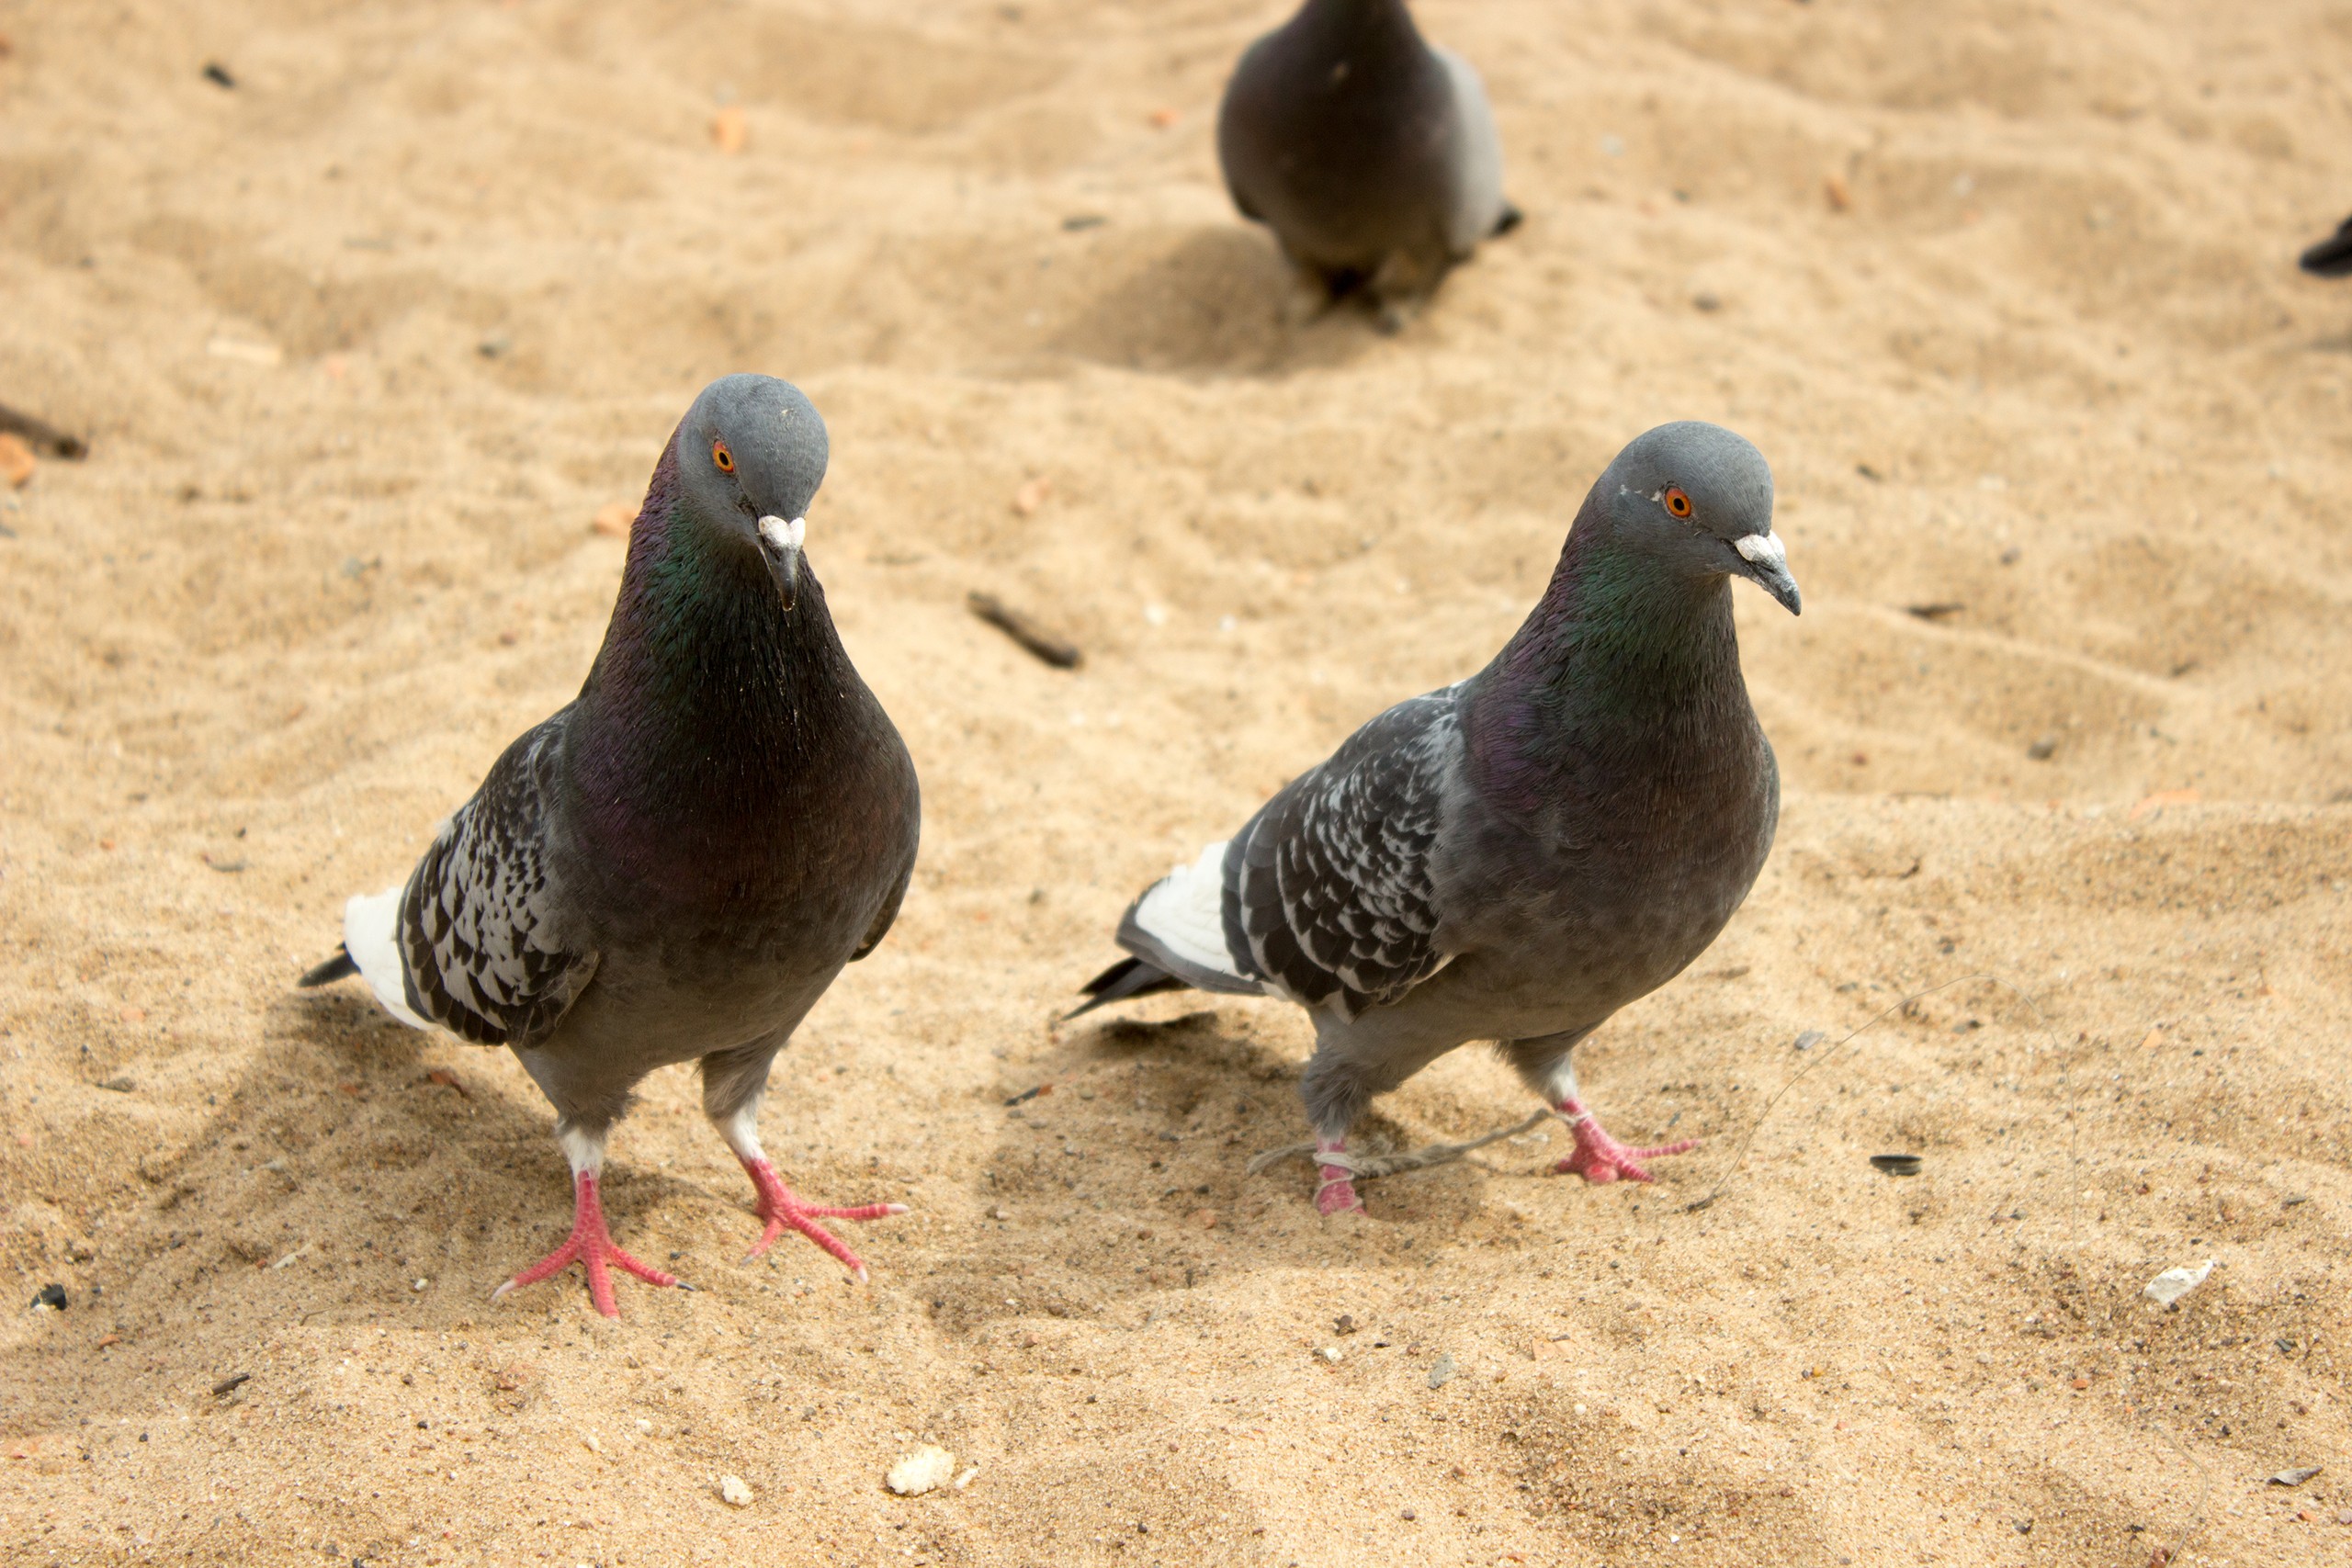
x=675 y=865
x=1372 y=156
x=2331 y=257
x=1519 y=855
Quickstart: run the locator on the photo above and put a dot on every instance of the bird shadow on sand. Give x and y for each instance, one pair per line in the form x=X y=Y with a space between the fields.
x=347 y=1176
x=1127 y=1184
x=1216 y=302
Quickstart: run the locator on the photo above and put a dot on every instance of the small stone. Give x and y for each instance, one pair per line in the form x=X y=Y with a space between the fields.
x=1835 y=192
x=1330 y=1353
x=418 y=1284
x=2043 y=749
x=1808 y=1039
x=1442 y=1372
x=925 y=1470
x=2174 y=1283
x=1409 y=1516
x=1706 y=299
x=734 y=1491
x=592 y=1445
x=2296 y=1476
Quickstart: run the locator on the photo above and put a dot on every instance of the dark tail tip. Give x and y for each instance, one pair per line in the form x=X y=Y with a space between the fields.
x=1511 y=218
x=2331 y=257
x=1127 y=977
x=334 y=969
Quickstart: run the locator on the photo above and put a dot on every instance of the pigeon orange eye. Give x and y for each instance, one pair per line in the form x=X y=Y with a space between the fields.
x=1678 y=503
x=726 y=459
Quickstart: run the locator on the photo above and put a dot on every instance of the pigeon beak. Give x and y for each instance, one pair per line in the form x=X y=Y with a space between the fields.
x=780 y=542
x=1767 y=567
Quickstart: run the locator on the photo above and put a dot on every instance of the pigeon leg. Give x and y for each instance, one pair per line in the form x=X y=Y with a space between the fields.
x=1600 y=1158
x=590 y=1244
x=779 y=1208
x=1336 y=1195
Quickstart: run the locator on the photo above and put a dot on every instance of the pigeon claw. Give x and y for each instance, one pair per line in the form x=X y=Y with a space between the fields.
x=590 y=1245
x=1602 y=1159
x=781 y=1212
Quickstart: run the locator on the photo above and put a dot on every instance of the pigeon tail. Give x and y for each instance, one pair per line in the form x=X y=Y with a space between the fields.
x=1127 y=977
x=371 y=943
x=2331 y=257
x=334 y=969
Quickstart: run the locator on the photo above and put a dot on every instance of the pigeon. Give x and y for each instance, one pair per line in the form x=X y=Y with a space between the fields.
x=2331 y=257
x=676 y=865
x=1371 y=155
x=1518 y=855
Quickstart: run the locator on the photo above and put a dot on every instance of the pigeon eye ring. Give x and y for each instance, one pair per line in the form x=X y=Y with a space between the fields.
x=1676 y=502
x=722 y=457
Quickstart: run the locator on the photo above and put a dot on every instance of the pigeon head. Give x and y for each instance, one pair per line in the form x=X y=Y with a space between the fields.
x=1699 y=499
x=751 y=455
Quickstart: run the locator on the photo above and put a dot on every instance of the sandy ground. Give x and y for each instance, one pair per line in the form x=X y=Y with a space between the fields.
x=363 y=344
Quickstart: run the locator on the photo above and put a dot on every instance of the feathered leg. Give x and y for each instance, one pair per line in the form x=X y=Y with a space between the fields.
x=590 y=1244
x=733 y=1083
x=1598 y=1157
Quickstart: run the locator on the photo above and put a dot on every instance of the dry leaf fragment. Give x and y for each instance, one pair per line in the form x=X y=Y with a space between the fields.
x=2154 y=803
x=16 y=460
x=731 y=129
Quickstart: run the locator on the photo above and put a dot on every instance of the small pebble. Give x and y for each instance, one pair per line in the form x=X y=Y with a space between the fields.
x=734 y=1491
x=1330 y=1353
x=1442 y=1372
x=925 y=1470
x=1706 y=299
x=2043 y=749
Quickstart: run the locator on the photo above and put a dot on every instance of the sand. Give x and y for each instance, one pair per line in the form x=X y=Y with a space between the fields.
x=362 y=344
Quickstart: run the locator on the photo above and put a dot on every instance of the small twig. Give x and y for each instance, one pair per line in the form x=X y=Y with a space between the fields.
x=1364 y=1167
x=1044 y=644
x=41 y=433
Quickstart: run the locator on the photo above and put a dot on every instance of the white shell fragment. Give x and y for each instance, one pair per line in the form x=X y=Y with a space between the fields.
x=925 y=1470
x=2174 y=1283
x=734 y=1491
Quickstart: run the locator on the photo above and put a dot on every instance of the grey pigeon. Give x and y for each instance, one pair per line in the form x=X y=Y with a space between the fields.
x=2331 y=257
x=1372 y=156
x=1519 y=855
x=675 y=865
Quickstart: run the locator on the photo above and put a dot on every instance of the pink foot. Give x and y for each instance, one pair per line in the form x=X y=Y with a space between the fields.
x=1338 y=1194
x=592 y=1247
x=782 y=1211
x=1600 y=1158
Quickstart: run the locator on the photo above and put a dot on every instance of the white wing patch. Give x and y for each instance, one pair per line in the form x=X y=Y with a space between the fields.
x=1185 y=911
x=371 y=936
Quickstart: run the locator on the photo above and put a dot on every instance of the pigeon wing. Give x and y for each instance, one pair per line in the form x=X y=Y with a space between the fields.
x=1330 y=885
x=477 y=937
